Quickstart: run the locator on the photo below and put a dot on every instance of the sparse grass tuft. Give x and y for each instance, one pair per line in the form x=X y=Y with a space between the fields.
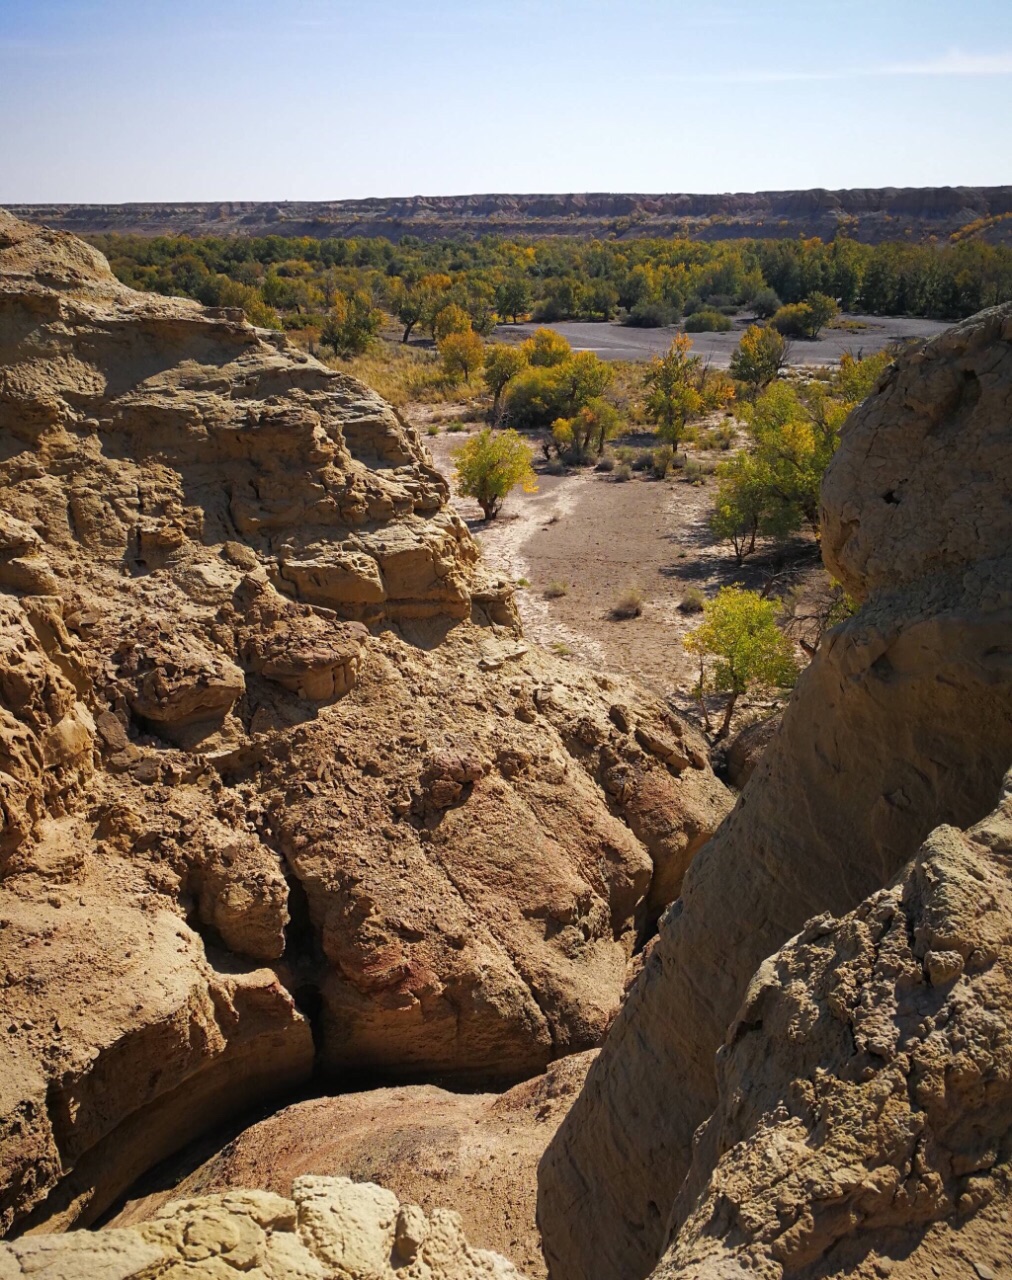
x=628 y=605
x=693 y=601
x=622 y=472
x=555 y=590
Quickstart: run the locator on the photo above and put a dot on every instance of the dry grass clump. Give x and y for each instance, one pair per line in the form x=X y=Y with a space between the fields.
x=622 y=472
x=401 y=374
x=692 y=602
x=628 y=605
x=556 y=590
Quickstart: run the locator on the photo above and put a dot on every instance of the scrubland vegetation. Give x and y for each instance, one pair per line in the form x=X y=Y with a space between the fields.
x=415 y=321
x=337 y=286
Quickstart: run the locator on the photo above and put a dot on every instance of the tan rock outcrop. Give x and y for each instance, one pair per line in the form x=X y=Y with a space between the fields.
x=270 y=752
x=330 y=1229
x=902 y=722
x=864 y=1115
x=478 y=1152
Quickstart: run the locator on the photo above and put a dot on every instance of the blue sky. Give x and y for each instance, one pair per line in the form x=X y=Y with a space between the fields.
x=112 y=100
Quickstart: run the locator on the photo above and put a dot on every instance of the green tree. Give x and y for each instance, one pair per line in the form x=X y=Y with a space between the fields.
x=352 y=324
x=739 y=647
x=759 y=356
x=462 y=355
x=502 y=364
x=673 y=396
x=490 y=464
x=513 y=298
x=822 y=309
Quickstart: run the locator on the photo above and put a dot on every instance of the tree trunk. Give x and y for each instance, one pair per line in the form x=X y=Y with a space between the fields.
x=726 y=725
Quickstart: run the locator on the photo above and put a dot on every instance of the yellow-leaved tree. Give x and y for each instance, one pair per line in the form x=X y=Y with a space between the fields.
x=492 y=463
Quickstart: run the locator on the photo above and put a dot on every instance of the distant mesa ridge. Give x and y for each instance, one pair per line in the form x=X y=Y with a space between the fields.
x=870 y=214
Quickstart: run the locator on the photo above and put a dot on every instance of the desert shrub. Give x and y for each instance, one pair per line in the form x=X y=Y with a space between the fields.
x=542 y=393
x=432 y=429
x=490 y=464
x=606 y=462
x=793 y=320
x=456 y=425
x=628 y=605
x=643 y=460
x=707 y=321
x=692 y=601
x=661 y=459
x=556 y=590
x=583 y=436
x=805 y=319
x=650 y=315
x=766 y=304
x=622 y=472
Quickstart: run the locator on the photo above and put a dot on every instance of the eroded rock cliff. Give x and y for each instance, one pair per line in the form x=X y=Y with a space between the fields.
x=279 y=782
x=864 y=1117
x=902 y=722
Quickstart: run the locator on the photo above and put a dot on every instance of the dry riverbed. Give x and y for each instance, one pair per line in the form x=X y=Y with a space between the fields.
x=585 y=538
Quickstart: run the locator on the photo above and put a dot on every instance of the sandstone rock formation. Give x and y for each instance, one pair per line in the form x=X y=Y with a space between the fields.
x=864 y=1115
x=903 y=722
x=279 y=785
x=330 y=1229
x=477 y=1152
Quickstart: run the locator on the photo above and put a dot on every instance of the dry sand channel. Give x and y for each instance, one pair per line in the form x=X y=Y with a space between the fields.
x=598 y=537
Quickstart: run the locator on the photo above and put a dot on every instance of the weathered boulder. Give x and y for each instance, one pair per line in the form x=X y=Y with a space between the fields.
x=864 y=1113
x=331 y=1227
x=270 y=752
x=902 y=722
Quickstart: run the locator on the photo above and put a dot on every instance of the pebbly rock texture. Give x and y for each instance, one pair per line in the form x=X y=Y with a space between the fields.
x=864 y=1117
x=330 y=1229
x=279 y=785
x=478 y=1152
x=902 y=722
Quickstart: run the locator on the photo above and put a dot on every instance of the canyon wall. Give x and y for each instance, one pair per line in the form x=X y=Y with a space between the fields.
x=902 y=722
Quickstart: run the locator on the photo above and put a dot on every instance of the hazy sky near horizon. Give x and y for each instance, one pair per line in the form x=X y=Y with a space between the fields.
x=120 y=100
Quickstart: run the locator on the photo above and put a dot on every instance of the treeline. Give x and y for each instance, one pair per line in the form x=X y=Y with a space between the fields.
x=302 y=281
